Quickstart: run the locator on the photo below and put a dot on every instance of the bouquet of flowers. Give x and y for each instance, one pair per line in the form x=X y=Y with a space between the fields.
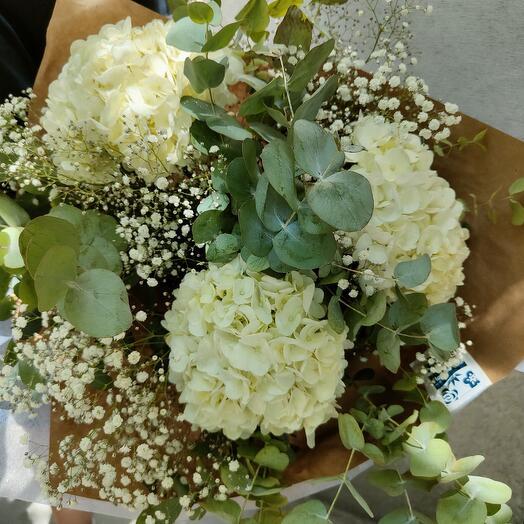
x=221 y=244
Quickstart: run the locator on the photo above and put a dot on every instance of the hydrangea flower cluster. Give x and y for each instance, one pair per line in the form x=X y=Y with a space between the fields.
x=416 y=212
x=249 y=350
x=119 y=96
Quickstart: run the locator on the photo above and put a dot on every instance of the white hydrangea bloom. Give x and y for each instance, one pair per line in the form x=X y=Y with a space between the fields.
x=249 y=350
x=416 y=212
x=121 y=90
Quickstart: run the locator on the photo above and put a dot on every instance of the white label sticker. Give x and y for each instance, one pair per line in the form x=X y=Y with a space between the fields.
x=463 y=383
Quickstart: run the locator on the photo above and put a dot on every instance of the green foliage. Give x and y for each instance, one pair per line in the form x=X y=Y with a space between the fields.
x=389 y=480
x=187 y=35
x=350 y=433
x=170 y=508
x=221 y=38
x=456 y=507
x=295 y=29
x=271 y=457
x=439 y=324
x=279 y=168
x=515 y=190
x=204 y=73
x=310 y=512
x=404 y=516
x=57 y=268
x=254 y=18
x=413 y=273
x=335 y=315
x=309 y=109
x=436 y=412
x=207 y=226
x=316 y=152
x=388 y=347
x=227 y=510
x=200 y=12
x=97 y=304
x=11 y=213
x=28 y=374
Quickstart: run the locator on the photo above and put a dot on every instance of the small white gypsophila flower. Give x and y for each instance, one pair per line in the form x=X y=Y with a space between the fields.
x=416 y=212
x=249 y=350
x=120 y=92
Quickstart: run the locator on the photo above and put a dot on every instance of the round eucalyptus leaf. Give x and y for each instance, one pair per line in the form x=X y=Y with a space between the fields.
x=207 y=226
x=223 y=248
x=310 y=512
x=42 y=233
x=187 y=35
x=301 y=250
x=405 y=516
x=271 y=457
x=238 y=181
x=97 y=304
x=413 y=273
x=344 y=200
x=67 y=212
x=275 y=212
x=435 y=411
x=12 y=213
x=214 y=202
x=203 y=73
x=430 y=461
x=388 y=347
x=315 y=149
x=350 y=432
x=200 y=12
x=487 y=490
x=310 y=222
x=221 y=38
x=279 y=168
x=457 y=508
x=57 y=267
x=440 y=325
x=254 y=235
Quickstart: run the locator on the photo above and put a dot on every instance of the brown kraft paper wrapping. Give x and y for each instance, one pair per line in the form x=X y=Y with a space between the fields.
x=494 y=271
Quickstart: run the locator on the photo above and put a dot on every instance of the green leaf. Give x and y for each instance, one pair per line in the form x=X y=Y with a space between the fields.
x=200 y=12
x=255 y=103
x=254 y=235
x=238 y=182
x=278 y=8
x=343 y=200
x=43 y=233
x=517 y=187
x=461 y=468
x=407 y=310
x=213 y=202
x=170 y=508
x=301 y=250
x=97 y=304
x=207 y=226
x=237 y=481
x=56 y=269
x=94 y=226
x=227 y=510
x=272 y=209
x=67 y=212
x=25 y=291
x=436 y=412
x=388 y=347
x=204 y=73
x=335 y=315
x=439 y=324
x=228 y=126
x=315 y=149
x=405 y=516
x=517 y=213
x=350 y=433
x=310 y=108
x=502 y=516
x=28 y=374
x=295 y=29
x=271 y=457
x=279 y=168
x=310 y=222
x=249 y=154
x=266 y=132
x=6 y=308
x=187 y=35
x=10 y=256
x=388 y=480
x=12 y=213
x=431 y=460
x=310 y=512
x=458 y=508
x=374 y=453
x=222 y=38
x=413 y=273
x=201 y=109
x=487 y=490
x=254 y=17
x=223 y=248
x=102 y=380
x=100 y=254
x=257 y=264
x=375 y=309
x=307 y=68
x=359 y=499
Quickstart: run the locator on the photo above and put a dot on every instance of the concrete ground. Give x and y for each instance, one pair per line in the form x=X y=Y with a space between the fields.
x=492 y=426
